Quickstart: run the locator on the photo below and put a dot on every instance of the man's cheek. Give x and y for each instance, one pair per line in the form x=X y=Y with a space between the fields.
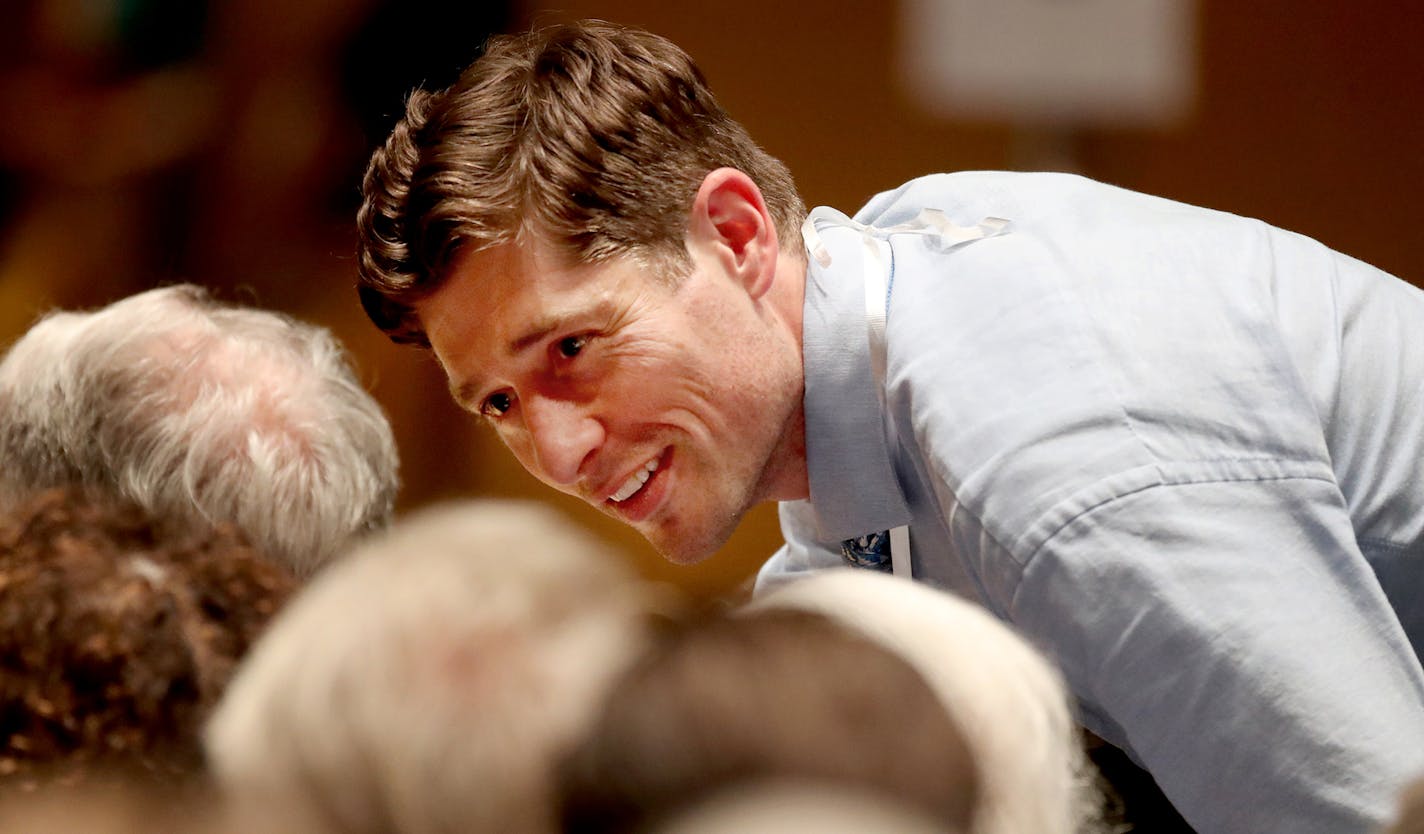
x=523 y=450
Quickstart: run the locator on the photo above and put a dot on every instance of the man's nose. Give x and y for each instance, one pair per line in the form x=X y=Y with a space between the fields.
x=564 y=435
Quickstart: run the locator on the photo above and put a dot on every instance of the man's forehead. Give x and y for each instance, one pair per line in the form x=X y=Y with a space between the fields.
x=524 y=254
x=538 y=279
x=509 y=288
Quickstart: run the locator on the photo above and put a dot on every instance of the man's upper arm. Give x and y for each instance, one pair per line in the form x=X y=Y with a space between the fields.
x=1232 y=633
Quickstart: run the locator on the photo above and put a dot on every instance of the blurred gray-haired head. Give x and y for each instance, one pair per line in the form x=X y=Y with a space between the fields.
x=1009 y=699
x=775 y=807
x=201 y=413
x=429 y=682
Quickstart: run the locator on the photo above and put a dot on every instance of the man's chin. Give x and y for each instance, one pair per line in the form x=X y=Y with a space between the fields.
x=686 y=547
x=685 y=558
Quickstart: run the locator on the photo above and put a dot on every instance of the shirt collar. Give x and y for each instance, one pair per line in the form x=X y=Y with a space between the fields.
x=854 y=490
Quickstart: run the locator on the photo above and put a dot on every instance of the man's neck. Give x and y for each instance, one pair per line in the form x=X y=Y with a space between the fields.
x=791 y=481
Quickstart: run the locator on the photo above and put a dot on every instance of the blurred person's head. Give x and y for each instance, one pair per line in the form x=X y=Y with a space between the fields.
x=780 y=806
x=777 y=695
x=127 y=806
x=116 y=807
x=428 y=682
x=1008 y=698
x=116 y=640
x=201 y=413
x=1410 y=819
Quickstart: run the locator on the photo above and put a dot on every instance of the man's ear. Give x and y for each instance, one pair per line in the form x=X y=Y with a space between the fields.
x=729 y=219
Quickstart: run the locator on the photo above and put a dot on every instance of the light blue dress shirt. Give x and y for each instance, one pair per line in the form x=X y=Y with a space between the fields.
x=1180 y=450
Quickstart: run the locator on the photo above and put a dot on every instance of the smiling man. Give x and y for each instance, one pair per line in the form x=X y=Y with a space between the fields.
x=1181 y=451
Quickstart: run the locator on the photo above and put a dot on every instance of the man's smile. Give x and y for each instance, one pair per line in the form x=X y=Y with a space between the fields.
x=635 y=482
x=641 y=492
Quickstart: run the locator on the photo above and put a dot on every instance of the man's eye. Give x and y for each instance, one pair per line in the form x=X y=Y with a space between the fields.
x=496 y=404
x=571 y=346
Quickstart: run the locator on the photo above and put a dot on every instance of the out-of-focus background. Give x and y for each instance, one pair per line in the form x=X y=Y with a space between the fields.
x=221 y=142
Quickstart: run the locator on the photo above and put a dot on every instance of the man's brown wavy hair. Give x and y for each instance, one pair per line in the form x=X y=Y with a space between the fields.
x=587 y=137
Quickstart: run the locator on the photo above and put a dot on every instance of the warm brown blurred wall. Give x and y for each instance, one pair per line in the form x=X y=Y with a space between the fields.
x=1307 y=115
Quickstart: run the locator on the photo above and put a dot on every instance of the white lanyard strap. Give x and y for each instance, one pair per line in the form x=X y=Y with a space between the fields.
x=878 y=275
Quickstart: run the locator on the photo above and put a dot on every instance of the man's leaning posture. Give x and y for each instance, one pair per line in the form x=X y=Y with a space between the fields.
x=1181 y=451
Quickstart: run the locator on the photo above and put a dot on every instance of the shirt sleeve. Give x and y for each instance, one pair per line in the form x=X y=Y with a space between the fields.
x=801 y=554
x=1230 y=635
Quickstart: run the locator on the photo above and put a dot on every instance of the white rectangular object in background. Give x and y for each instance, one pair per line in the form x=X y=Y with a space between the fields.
x=1065 y=62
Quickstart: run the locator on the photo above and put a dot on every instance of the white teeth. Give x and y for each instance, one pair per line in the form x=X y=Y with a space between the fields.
x=635 y=481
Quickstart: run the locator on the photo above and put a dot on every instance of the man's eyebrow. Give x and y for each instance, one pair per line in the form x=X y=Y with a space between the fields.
x=541 y=328
x=464 y=394
x=558 y=319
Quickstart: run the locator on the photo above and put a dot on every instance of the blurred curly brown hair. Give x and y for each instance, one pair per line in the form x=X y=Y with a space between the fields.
x=116 y=639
